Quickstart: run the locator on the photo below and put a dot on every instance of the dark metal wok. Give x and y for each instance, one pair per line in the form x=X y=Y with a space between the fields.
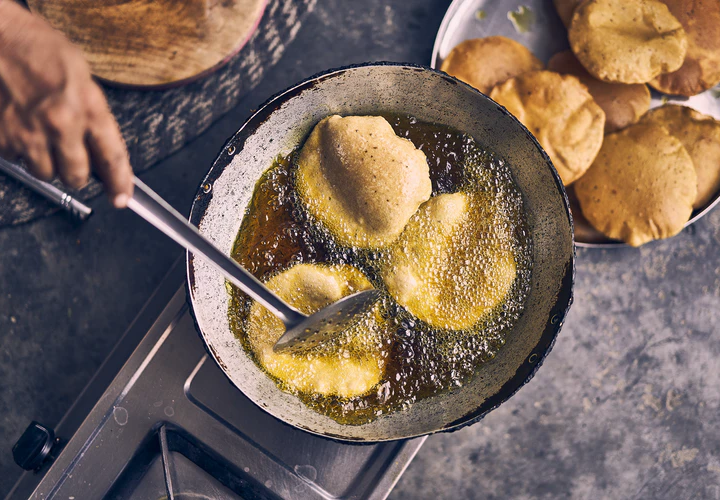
x=279 y=127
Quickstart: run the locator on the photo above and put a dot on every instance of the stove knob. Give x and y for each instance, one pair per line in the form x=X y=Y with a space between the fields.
x=34 y=446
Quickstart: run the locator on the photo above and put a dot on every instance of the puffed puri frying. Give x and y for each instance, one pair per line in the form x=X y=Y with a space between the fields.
x=561 y=114
x=352 y=366
x=361 y=180
x=452 y=265
x=625 y=41
x=641 y=187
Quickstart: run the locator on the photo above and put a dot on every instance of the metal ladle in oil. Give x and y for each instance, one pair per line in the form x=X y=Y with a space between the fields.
x=301 y=331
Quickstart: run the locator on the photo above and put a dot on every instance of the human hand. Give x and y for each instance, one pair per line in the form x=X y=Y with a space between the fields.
x=51 y=111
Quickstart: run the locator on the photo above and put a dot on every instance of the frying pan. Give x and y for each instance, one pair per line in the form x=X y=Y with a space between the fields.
x=280 y=126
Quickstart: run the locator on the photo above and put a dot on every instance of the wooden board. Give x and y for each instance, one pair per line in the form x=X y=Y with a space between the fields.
x=154 y=43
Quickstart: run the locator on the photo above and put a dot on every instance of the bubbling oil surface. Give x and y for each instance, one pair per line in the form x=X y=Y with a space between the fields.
x=420 y=360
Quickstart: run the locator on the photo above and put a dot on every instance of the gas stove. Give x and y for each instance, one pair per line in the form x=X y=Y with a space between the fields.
x=161 y=420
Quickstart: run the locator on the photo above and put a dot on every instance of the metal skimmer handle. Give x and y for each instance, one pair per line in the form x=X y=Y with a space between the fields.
x=62 y=199
x=151 y=207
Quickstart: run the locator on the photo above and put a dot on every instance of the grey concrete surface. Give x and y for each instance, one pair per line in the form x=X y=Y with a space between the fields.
x=626 y=406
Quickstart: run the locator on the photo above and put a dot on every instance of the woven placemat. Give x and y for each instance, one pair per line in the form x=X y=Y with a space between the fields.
x=155 y=124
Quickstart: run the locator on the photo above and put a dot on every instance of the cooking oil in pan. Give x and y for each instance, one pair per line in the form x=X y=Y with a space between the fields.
x=419 y=360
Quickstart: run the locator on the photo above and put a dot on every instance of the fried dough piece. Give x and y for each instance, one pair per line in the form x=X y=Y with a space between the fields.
x=566 y=9
x=641 y=187
x=627 y=41
x=562 y=115
x=700 y=134
x=485 y=62
x=452 y=265
x=361 y=180
x=623 y=104
x=701 y=68
x=349 y=368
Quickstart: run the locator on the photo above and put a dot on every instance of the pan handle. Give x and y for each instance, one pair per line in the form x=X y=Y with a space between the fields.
x=151 y=207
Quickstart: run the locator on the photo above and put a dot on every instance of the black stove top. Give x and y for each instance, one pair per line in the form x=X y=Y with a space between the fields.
x=162 y=421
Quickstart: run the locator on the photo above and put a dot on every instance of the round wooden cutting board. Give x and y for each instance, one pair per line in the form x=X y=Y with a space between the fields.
x=154 y=43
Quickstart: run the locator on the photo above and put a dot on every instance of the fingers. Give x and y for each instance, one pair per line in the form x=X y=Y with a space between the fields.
x=69 y=151
x=63 y=134
x=72 y=162
x=109 y=155
x=37 y=155
x=7 y=148
x=66 y=155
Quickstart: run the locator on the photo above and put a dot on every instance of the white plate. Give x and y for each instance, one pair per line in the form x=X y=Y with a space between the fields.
x=546 y=36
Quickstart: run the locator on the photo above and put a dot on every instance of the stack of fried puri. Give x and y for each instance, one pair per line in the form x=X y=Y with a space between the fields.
x=648 y=177
x=638 y=175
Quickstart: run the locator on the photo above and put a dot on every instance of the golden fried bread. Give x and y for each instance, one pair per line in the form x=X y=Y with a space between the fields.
x=361 y=180
x=625 y=41
x=450 y=267
x=350 y=368
x=566 y=9
x=700 y=134
x=622 y=103
x=485 y=62
x=562 y=115
x=641 y=186
x=701 y=68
